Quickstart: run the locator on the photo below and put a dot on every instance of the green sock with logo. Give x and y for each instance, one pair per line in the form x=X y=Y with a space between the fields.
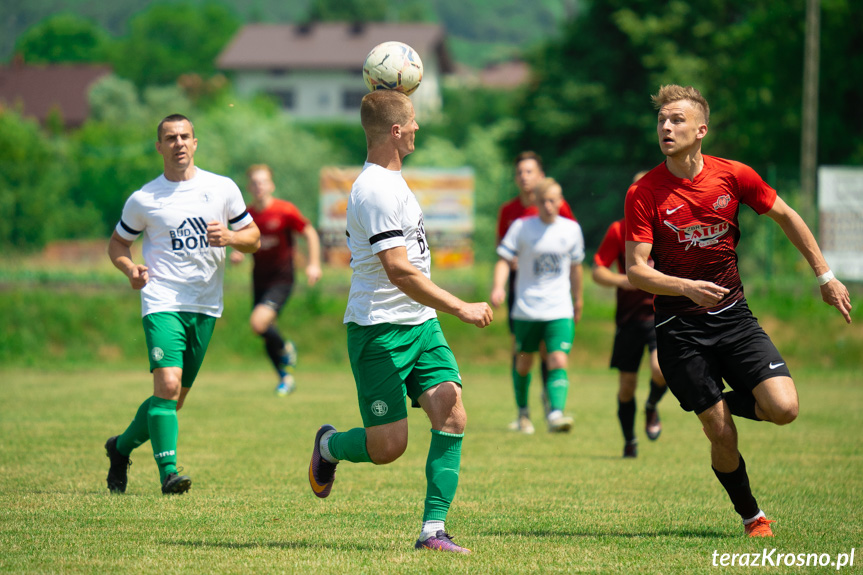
x=442 y=468
x=162 y=421
x=558 y=387
x=349 y=446
x=138 y=431
x=521 y=384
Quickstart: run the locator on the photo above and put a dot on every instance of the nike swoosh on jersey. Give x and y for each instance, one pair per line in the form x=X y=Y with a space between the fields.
x=669 y=212
x=775 y=365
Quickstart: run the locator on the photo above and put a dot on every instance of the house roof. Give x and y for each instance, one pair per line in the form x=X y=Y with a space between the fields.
x=325 y=45
x=505 y=75
x=41 y=89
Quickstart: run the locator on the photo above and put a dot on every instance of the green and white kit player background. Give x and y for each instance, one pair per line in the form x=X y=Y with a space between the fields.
x=548 y=300
x=395 y=343
x=187 y=217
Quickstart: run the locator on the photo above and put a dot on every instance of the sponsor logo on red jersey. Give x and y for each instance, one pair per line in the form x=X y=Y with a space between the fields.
x=699 y=234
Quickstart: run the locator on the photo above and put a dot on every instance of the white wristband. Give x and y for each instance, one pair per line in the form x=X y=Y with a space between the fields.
x=825 y=277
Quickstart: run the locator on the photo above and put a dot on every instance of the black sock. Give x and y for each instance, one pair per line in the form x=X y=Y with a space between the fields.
x=736 y=484
x=626 y=415
x=656 y=393
x=544 y=370
x=741 y=404
x=275 y=345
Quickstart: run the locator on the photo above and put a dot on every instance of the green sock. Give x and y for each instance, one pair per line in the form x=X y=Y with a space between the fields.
x=162 y=420
x=138 y=431
x=521 y=383
x=442 y=466
x=350 y=446
x=558 y=387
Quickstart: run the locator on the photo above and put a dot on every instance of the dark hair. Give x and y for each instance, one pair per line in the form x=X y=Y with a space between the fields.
x=173 y=118
x=529 y=155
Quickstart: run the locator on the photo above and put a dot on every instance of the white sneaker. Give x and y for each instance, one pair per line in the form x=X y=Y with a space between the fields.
x=522 y=424
x=290 y=354
x=286 y=386
x=558 y=422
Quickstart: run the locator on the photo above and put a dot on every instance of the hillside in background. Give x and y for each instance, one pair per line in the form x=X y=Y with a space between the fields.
x=480 y=31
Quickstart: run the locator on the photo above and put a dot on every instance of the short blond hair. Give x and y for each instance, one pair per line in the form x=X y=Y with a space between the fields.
x=674 y=93
x=259 y=168
x=545 y=185
x=381 y=110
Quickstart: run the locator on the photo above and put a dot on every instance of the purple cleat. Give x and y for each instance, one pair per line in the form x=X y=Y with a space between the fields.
x=322 y=473
x=441 y=541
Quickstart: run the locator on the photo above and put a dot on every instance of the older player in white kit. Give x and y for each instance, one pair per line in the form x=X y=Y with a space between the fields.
x=183 y=216
x=548 y=294
x=395 y=342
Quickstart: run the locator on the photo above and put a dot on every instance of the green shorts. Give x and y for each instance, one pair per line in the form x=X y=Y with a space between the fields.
x=178 y=339
x=392 y=361
x=557 y=335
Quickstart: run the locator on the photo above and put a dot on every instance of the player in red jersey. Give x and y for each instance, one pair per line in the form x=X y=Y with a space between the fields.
x=634 y=321
x=684 y=214
x=273 y=275
x=529 y=172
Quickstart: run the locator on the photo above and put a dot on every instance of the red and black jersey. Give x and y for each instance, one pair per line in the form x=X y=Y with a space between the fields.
x=693 y=225
x=513 y=210
x=274 y=261
x=632 y=304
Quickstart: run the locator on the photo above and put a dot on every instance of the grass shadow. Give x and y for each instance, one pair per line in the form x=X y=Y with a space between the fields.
x=701 y=534
x=274 y=545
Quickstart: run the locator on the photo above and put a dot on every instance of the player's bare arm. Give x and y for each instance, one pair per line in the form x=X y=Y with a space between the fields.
x=643 y=276
x=501 y=275
x=246 y=240
x=313 y=270
x=833 y=292
x=418 y=287
x=119 y=250
x=576 y=277
x=608 y=278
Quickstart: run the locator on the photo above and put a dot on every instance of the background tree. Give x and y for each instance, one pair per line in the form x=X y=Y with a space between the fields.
x=168 y=40
x=64 y=37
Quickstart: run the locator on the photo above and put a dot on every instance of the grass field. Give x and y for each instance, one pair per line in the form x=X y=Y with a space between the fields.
x=526 y=504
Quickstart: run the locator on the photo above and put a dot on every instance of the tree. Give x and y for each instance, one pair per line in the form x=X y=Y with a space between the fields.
x=35 y=172
x=64 y=38
x=168 y=40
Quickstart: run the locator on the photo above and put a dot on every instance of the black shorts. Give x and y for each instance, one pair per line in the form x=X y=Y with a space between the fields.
x=629 y=342
x=274 y=296
x=696 y=352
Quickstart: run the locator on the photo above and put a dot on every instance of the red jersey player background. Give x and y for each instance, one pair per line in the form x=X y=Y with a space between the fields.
x=529 y=172
x=273 y=275
x=634 y=331
x=684 y=214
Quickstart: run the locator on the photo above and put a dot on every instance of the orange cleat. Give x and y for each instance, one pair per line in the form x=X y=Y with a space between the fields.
x=760 y=528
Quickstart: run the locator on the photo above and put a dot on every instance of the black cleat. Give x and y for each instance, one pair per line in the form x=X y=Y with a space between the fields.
x=175 y=484
x=630 y=449
x=118 y=472
x=652 y=424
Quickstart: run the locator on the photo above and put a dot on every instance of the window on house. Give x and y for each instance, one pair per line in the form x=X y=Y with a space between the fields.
x=351 y=99
x=285 y=98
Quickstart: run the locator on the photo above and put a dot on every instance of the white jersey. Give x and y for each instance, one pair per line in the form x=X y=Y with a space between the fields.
x=383 y=213
x=546 y=253
x=186 y=274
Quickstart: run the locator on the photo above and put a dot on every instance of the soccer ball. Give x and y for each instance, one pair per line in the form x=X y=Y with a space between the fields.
x=393 y=66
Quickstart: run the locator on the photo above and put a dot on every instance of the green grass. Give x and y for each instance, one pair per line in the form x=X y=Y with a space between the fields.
x=526 y=504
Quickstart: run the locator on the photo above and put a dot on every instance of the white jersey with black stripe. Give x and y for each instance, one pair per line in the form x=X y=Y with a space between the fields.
x=186 y=273
x=383 y=213
x=546 y=253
